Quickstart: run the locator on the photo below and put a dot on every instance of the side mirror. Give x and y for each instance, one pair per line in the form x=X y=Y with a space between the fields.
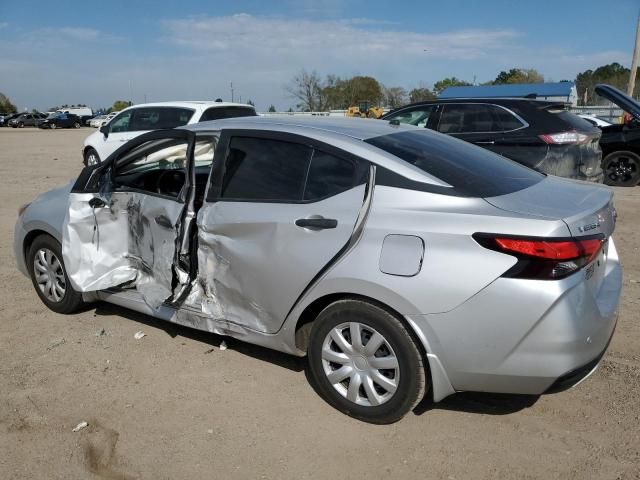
x=104 y=129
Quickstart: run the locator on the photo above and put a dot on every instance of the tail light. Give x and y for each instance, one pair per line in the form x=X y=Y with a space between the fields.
x=564 y=138
x=543 y=258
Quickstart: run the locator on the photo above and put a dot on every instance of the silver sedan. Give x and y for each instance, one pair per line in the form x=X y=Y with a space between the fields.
x=400 y=261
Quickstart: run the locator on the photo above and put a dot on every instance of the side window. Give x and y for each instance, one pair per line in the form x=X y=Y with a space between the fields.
x=329 y=175
x=156 y=118
x=417 y=116
x=262 y=169
x=468 y=118
x=506 y=120
x=156 y=167
x=120 y=123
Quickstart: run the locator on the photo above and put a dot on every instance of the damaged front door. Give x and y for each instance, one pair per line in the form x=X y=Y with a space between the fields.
x=124 y=224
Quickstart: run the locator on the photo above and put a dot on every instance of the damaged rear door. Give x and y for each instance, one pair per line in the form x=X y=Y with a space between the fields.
x=124 y=224
x=279 y=211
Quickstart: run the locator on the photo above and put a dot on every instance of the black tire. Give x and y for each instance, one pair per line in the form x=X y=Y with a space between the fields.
x=88 y=155
x=411 y=386
x=21 y=125
x=71 y=301
x=52 y=126
x=621 y=169
x=76 y=125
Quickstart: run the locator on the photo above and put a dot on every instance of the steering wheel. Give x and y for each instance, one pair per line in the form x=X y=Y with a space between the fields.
x=170 y=182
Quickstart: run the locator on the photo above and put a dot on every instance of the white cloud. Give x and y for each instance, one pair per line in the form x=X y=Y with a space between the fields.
x=79 y=33
x=342 y=42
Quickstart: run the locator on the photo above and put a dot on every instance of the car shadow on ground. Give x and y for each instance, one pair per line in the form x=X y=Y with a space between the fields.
x=289 y=362
x=478 y=402
x=470 y=402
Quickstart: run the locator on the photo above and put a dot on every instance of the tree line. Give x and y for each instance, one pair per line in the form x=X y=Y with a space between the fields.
x=315 y=93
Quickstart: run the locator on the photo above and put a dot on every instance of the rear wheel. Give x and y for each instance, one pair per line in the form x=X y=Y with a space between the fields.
x=364 y=362
x=76 y=125
x=52 y=126
x=49 y=276
x=621 y=169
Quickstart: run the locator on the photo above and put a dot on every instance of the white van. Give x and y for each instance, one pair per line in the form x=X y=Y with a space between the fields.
x=79 y=111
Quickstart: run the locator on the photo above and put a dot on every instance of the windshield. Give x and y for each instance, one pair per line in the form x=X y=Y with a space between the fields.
x=471 y=171
x=54 y=115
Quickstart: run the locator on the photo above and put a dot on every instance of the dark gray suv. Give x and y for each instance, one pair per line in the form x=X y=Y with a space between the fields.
x=541 y=135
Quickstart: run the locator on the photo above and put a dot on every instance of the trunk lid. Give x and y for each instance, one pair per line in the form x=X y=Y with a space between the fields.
x=621 y=99
x=586 y=209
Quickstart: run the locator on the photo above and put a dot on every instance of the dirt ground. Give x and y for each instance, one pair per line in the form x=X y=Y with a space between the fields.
x=174 y=406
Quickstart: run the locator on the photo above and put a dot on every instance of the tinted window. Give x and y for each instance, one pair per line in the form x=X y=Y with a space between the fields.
x=156 y=118
x=417 y=116
x=216 y=113
x=573 y=121
x=467 y=119
x=505 y=120
x=470 y=170
x=328 y=176
x=261 y=169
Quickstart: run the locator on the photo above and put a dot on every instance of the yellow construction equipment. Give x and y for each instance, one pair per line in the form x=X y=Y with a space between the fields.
x=364 y=109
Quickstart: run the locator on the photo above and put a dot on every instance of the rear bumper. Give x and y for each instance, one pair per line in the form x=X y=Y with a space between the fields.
x=579 y=162
x=524 y=336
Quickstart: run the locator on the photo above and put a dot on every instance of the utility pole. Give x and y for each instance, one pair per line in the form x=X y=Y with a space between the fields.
x=231 y=85
x=634 y=62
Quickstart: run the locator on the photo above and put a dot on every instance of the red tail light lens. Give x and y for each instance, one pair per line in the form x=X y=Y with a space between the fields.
x=564 y=138
x=544 y=258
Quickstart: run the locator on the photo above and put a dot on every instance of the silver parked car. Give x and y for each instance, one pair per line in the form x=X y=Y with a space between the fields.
x=398 y=259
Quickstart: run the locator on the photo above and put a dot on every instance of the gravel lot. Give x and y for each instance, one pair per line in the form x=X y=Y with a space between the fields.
x=173 y=405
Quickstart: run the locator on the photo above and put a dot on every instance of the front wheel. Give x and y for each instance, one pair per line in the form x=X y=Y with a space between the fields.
x=49 y=276
x=76 y=125
x=621 y=169
x=364 y=362
x=21 y=125
x=52 y=126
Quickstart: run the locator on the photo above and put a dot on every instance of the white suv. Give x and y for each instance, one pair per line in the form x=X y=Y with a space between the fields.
x=136 y=120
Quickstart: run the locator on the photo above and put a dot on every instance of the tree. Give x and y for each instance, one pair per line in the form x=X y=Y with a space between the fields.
x=308 y=89
x=421 y=94
x=120 y=105
x=441 y=85
x=360 y=88
x=519 y=75
x=394 y=97
x=272 y=108
x=612 y=74
x=5 y=104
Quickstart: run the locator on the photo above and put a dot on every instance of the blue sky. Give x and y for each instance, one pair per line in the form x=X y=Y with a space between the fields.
x=96 y=52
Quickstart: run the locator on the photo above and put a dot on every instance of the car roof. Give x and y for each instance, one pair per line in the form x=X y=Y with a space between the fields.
x=498 y=101
x=197 y=104
x=354 y=128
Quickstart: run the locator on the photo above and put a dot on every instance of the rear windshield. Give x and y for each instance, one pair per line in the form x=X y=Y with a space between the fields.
x=573 y=121
x=216 y=113
x=471 y=171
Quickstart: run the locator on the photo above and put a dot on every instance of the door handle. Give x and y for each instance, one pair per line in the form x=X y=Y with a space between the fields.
x=164 y=222
x=317 y=223
x=96 y=202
